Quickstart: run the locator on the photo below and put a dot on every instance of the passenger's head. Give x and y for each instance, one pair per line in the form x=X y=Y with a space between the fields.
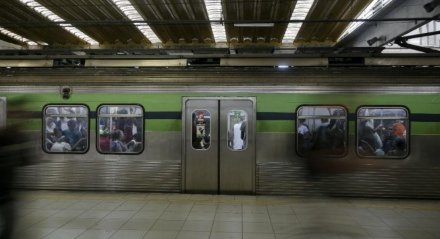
x=398 y=129
x=117 y=135
x=71 y=124
x=338 y=113
x=57 y=132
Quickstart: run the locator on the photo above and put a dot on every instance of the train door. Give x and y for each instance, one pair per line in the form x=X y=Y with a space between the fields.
x=219 y=145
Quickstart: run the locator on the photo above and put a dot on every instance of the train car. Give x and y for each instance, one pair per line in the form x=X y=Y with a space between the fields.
x=367 y=131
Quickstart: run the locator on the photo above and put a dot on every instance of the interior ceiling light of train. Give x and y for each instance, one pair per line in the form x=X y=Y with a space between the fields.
x=240 y=26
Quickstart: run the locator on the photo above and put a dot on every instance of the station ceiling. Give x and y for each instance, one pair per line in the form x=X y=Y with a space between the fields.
x=180 y=24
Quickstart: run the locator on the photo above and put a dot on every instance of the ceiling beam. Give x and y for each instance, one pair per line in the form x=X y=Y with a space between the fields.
x=7 y=45
x=380 y=33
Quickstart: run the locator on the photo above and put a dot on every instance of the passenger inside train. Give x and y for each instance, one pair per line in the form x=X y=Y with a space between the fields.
x=120 y=129
x=304 y=137
x=322 y=129
x=65 y=129
x=382 y=133
x=201 y=129
x=237 y=121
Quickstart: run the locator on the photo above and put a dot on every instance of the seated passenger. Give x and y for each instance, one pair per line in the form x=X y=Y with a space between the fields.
x=117 y=145
x=135 y=145
x=72 y=134
x=397 y=142
x=104 y=141
x=398 y=147
x=58 y=143
x=370 y=143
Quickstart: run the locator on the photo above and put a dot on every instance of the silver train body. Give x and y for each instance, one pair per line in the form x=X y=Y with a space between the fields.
x=275 y=168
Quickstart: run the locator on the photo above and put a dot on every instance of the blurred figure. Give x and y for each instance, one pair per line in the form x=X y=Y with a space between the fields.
x=14 y=151
x=305 y=142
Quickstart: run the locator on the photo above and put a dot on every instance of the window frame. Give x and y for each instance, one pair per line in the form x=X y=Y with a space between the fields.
x=346 y=134
x=97 y=128
x=43 y=135
x=408 y=131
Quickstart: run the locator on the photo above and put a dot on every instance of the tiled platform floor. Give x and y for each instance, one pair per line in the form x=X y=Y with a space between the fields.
x=95 y=215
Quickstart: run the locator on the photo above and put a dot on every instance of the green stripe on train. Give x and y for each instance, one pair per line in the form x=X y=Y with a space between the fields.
x=271 y=102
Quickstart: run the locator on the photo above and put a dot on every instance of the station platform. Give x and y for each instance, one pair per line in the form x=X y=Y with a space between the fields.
x=99 y=215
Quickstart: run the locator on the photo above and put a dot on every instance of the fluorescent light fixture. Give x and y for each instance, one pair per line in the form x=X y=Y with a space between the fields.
x=268 y=24
x=55 y=18
x=370 y=11
x=300 y=13
x=283 y=66
x=18 y=37
x=131 y=13
x=215 y=13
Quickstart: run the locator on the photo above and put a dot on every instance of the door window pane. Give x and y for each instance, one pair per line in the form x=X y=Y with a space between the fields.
x=201 y=129
x=237 y=130
x=322 y=129
x=382 y=132
x=66 y=128
x=121 y=129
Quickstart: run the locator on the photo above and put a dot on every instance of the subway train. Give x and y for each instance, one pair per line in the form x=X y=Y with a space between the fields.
x=347 y=131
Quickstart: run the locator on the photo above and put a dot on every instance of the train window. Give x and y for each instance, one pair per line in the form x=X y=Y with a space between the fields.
x=322 y=129
x=382 y=132
x=237 y=130
x=121 y=129
x=2 y=111
x=66 y=129
x=201 y=129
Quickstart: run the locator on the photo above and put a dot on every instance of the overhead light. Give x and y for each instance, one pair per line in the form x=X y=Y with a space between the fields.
x=283 y=66
x=131 y=13
x=269 y=24
x=299 y=13
x=370 y=11
x=18 y=37
x=215 y=13
x=55 y=18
